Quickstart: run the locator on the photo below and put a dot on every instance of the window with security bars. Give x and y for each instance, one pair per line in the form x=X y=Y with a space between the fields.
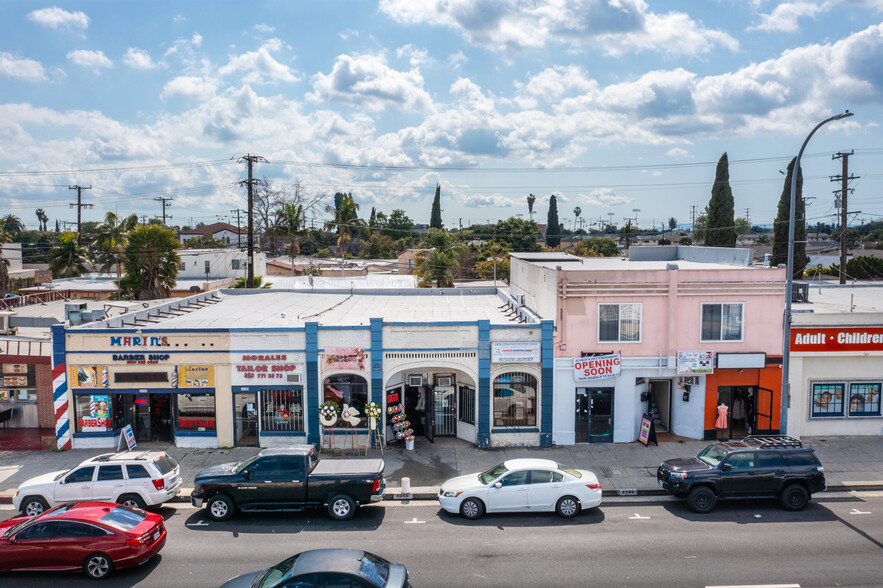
x=722 y=322
x=827 y=399
x=282 y=411
x=619 y=323
x=466 y=405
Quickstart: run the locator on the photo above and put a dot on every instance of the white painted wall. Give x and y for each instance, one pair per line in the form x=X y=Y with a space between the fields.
x=220 y=263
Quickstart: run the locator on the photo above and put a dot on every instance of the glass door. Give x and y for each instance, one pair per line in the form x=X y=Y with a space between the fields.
x=142 y=424
x=445 y=411
x=601 y=415
x=581 y=420
x=245 y=419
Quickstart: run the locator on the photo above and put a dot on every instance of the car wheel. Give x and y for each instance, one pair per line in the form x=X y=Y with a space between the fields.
x=701 y=499
x=132 y=501
x=33 y=506
x=568 y=507
x=98 y=566
x=471 y=508
x=220 y=507
x=341 y=507
x=795 y=497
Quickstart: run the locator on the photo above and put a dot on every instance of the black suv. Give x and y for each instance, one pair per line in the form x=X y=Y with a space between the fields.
x=755 y=467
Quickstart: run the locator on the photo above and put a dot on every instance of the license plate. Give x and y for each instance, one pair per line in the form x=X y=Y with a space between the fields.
x=156 y=535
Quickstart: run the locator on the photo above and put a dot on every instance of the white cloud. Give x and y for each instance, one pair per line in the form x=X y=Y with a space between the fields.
x=264 y=28
x=678 y=152
x=260 y=65
x=194 y=87
x=94 y=60
x=139 y=59
x=368 y=81
x=56 y=18
x=457 y=59
x=416 y=57
x=784 y=17
x=553 y=83
x=511 y=26
x=605 y=197
x=25 y=69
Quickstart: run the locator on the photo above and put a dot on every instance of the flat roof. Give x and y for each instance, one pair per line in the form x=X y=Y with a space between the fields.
x=833 y=298
x=242 y=309
x=624 y=264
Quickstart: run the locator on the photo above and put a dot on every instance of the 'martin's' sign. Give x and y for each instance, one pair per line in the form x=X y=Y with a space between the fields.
x=837 y=339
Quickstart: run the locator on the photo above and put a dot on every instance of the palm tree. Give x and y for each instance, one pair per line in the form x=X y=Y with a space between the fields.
x=576 y=212
x=530 y=202
x=436 y=261
x=151 y=260
x=346 y=218
x=67 y=259
x=4 y=270
x=40 y=222
x=290 y=223
x=12 y=224
x=111 y=238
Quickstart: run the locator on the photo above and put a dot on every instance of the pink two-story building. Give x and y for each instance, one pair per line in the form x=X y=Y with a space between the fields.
x=672 y=332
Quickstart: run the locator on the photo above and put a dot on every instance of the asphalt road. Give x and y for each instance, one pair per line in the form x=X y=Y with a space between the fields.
x=836 y=541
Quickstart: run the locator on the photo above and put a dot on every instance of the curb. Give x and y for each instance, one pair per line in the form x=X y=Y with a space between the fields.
x=430 y=493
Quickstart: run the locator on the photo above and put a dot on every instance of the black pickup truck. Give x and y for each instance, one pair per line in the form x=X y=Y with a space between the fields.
x=289 y=479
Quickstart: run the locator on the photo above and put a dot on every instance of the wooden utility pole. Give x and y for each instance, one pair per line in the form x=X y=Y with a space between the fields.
x=250 y=160
x=238 y=227
x=843 y=178
x=164 y=200
x=80 y=206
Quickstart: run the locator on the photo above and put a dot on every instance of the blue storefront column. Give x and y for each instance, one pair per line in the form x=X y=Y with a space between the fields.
x=484 y=384
x=313 y=397
x=377 y=361
x=547 y=366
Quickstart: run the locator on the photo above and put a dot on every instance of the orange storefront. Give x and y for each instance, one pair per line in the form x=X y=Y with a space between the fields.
x=752 y=396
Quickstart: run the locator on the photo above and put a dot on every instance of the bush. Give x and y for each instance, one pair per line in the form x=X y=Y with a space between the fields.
x=865 y=268
x=324 y=253
x=685 y=241
x=826 y=271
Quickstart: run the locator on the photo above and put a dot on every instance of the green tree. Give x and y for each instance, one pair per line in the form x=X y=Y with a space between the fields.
x=290 y=223
x=435 y=220
x=398 y=225
x=531 y=199
x=151 y=260
x=12 y=224
x=742 y=226
x=553 y=226
x=4 y=263
x=437 y=259
x=67 y=258
x=378 y=246
x=721 y=209
x=110 y=239
x=672 y=223
x=484 y=268
x=258 y=283
x=699 y=229
x=780 y=227
x=346 y=220
x=518 y=234
x=42 y=219
x=596 y=247
x=203 y=243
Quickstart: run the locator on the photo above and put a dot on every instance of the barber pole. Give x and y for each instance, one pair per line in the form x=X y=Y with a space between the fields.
x=59 y=389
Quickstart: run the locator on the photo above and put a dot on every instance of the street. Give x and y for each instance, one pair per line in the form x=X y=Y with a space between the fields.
x=836 y=541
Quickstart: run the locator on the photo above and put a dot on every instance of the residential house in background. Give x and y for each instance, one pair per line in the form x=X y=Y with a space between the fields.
x=232 y=235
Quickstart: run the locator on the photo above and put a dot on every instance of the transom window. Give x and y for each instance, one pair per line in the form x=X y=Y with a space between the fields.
x=619 y=323
x=722 y=322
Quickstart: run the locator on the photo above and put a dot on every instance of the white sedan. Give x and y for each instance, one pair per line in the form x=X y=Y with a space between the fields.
x=522 y=485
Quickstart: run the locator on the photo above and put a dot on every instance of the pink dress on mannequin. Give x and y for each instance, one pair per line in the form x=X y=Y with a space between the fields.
x=721 y=422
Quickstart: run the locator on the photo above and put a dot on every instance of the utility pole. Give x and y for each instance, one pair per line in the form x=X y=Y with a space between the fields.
x=143 y=219
x=748 y=217
x=164 y=200
x=238 y=227
x=693 y=208
x=80 y=206
x=250 y=160
x=843 y=178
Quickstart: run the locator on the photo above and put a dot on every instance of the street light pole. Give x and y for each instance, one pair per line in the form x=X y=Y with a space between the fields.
x=786 y=346
x=495 y=260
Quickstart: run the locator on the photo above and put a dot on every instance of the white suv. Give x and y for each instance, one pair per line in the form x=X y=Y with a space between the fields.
x=135 y=478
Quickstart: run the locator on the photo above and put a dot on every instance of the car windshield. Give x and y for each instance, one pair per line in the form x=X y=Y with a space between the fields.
x=713 y=454
x=571 y=471
x=272 y=576
x=123 y=518
x=165 y=464
x=492 y=474
x=61 y=475
x=374 y=569
x=244 y=464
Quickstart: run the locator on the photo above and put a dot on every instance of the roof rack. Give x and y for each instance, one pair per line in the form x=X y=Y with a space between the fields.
x=764 y=441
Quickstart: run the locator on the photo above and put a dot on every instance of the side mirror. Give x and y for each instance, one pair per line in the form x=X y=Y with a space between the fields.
x=246 y=474
x=726 y=467
x=498 y=485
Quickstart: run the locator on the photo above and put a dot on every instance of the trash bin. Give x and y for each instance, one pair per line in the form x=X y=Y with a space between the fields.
x=409 y=444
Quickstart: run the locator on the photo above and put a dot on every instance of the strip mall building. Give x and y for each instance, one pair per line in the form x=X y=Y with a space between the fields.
x=251 y=368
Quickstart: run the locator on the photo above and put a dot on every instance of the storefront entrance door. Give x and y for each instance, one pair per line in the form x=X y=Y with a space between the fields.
x=601 y=415
x=245 y=419
x=445 y=408
x=142 y=417
x=581 y=422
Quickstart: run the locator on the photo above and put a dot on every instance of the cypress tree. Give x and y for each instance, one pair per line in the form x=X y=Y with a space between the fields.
x=780 y=228
x=721 y=231
x=435 y=220
x=553 y=227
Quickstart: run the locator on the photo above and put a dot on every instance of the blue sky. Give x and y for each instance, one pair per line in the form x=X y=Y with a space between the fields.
x=611 y=105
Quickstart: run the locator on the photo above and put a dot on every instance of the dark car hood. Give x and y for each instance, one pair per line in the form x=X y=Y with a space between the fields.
x=243 y=581
x=686 y=463
x=224 y=469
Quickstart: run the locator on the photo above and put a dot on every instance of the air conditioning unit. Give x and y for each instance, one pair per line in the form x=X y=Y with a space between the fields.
x=444 y=381
x=415 y=379
x=690 y=380
x=293 y=379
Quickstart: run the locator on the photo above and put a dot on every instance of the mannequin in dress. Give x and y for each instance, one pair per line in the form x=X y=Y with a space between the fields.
x=721 y=423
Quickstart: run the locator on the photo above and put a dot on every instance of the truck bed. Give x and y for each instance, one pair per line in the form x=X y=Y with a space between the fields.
x=348 y=467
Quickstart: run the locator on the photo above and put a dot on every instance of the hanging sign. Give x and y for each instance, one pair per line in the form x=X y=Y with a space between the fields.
x=597 y=367
x=695 y=362
x=515 y=352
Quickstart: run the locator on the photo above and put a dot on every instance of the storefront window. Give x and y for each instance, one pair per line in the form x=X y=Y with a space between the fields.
x=864 y=399
x=19 y=383
x=348 y=389
x=515 y=400
x=282 y=411
x=93 y=413
x=195 y=413
x=827 y=399
x=466 y=405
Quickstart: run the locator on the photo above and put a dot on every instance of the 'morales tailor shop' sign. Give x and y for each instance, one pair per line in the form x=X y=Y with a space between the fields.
x=263 y=368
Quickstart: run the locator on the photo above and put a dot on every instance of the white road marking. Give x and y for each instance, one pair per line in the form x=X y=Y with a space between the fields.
x=757 y=516
x=639 y=517
x=758 y=586
x=414 y=521
x=200 y=523
x=857 y=511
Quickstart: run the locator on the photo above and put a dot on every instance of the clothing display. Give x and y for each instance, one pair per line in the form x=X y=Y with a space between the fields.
x=721 y=422
x=738 y=409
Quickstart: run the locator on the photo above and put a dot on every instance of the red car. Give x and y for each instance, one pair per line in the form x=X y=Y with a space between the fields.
x=96 y=537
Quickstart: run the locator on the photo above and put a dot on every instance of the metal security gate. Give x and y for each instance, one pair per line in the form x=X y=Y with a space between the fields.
x=445 y=411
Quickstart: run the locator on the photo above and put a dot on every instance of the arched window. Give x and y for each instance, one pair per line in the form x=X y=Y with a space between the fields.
x=515 y=400
x=349 y=389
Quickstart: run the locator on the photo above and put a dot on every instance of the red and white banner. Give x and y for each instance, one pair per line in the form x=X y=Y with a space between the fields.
x=837 y=339
x=597 y=367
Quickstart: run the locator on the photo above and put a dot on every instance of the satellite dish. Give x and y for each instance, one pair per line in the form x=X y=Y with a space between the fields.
x=195 y=289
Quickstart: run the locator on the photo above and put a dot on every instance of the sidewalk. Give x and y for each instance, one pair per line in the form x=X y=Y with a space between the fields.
x=851 y=463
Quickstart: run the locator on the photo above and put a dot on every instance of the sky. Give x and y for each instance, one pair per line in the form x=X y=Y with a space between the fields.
x=621 y=108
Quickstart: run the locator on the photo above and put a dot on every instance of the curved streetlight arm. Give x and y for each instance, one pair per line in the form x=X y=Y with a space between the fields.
x=786 y=346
